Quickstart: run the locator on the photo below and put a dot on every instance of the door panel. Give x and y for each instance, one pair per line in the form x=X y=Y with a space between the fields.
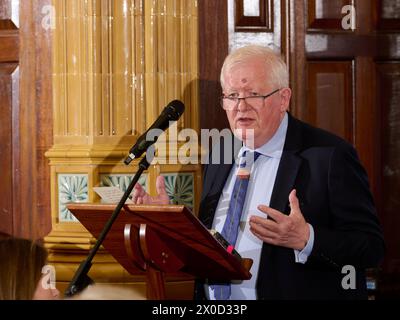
x=356 y=71
x=25 y=118
x=9 y=96
x=325 y=14
x=331 y=102
x=388 y=83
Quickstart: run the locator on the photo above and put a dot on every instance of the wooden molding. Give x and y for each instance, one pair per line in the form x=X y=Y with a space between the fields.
x=261 y=23
x=385 y=23
x=331 y=23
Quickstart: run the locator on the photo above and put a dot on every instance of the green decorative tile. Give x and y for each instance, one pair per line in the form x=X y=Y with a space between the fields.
x=180 y=188
x=121 y=181
x=71 y=188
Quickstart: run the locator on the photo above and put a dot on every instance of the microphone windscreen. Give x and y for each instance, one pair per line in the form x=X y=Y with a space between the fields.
x=175 y=109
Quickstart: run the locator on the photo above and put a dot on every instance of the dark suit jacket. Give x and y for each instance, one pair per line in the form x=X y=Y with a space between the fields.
x=334 y=195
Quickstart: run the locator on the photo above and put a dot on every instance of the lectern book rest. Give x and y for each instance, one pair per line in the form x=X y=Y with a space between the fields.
x=168 y=237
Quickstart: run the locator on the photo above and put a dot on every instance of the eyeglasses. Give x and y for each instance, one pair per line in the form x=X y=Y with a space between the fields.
x=257 y=102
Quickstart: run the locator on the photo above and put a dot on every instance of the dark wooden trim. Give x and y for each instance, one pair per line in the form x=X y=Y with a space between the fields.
x=32 y=126
x=367 y=125
x=8 y=90
x=9 y=106
x=381 y=23
x=262 y=23
x=286 y=37
x=326 y=24
x=44 y=123
x=338 y=46
x=9 y=46
x=213 y=26
x=8 y=18
x=298 y=72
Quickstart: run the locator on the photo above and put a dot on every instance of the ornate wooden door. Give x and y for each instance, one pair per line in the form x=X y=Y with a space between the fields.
x=25 y=117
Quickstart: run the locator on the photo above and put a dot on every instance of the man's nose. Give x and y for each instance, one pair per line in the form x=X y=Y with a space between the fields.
x=242 y=105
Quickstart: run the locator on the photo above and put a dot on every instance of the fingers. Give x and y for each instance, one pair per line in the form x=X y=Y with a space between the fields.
x=140 y=196
x=294 y=202
x=272 y=213
x=264 y=235
x=269 y=225
x=270 y=240
x=160 y=186
x=290 y=231
x=138 y=192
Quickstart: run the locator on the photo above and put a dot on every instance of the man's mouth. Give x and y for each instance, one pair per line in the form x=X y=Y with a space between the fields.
x=244 y=121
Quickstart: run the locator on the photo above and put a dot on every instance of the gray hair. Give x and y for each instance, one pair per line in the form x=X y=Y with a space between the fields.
x=273 y=62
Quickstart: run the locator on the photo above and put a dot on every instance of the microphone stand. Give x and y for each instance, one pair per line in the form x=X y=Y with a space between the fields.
x=81 y=279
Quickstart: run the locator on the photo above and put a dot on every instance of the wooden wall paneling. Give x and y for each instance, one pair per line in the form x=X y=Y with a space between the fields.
x=26 y=117
x=31 y=191
x=320 y=41
x=9 y=14
x=259 y=17
x=326 y=14
x=366 y=122
x=297 y=57
x=25 y=156
x=330 y=45
x=387 y=14
x=330 y=97
x=8 y=92
x=44 y=119
x=388 y=101
x=213 y=46
x=9 y=40
x=286 y=39
x=9 y=107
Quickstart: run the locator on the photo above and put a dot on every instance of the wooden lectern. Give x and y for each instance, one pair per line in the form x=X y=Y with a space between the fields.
x=160 y=240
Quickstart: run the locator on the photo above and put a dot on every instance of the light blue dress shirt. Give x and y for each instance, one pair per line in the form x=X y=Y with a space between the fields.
x=262 y=180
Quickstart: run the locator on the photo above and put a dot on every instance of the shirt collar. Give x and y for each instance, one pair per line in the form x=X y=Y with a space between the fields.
x=273 y=148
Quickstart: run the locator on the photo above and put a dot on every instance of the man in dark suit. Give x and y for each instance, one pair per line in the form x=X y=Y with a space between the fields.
x=302 y=210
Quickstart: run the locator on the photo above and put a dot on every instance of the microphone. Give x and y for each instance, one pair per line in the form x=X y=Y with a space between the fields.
x=172 y=112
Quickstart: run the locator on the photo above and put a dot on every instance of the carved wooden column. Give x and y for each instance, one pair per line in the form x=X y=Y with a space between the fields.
x=116 y=65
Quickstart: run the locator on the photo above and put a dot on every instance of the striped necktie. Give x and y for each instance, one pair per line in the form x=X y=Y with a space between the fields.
x=230 y=230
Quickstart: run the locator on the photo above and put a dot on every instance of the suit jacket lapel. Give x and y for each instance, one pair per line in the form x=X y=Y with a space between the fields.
x=288 y=167
x=286 y=176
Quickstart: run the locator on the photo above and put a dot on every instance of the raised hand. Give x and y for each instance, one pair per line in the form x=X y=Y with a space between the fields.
x=290 y=231
x=140 y=196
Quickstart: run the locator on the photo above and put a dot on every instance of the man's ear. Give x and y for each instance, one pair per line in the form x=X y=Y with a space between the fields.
x=286 y=95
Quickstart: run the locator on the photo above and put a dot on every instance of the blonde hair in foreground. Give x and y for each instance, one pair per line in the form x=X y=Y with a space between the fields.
x=279 y=74
x=21 y=263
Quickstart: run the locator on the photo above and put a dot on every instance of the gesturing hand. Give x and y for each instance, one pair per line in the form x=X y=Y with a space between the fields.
x=290 y=231
x=140 y=196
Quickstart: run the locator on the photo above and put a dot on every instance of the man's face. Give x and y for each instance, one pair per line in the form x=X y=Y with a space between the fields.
x=247 y=79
